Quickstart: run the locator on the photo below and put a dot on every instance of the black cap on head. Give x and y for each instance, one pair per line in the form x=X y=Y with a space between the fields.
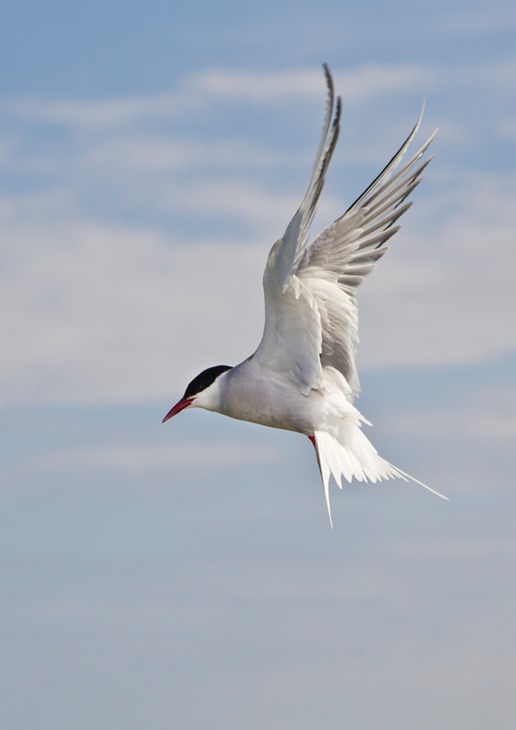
x=204 y=379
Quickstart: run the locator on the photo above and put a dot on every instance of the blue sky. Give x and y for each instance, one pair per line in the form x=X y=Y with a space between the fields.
x=185 y=575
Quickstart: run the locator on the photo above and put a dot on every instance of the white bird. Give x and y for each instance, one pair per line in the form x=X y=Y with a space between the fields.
x=303 y=375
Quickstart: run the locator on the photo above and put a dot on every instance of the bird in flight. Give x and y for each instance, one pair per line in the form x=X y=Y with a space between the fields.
x=303 y=375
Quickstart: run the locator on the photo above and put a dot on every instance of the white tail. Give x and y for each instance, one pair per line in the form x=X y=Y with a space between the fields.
x=353 y=456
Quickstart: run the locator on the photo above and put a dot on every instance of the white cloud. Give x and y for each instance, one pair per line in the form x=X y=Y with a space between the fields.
x=260 y=87
x=97 y=313
x=365 y=82
x=203 y=89
x=125 y=457
x=97 y=112
x=449 y=291
x=139 y=152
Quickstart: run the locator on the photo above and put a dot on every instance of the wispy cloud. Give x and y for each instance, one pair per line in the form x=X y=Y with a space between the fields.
x=203 y=89
x=97 y=112
x=200 y=91
x=197 y=457
x=450 y=296
x=370 y=81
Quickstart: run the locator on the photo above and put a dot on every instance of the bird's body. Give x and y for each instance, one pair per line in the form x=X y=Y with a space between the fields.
x=303 y=376
x=270 y=401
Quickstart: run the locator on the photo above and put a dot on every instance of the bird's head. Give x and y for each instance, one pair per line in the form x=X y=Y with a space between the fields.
x=202 y=392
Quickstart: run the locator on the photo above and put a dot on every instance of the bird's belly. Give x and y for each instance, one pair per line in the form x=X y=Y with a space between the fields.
x=272 y=403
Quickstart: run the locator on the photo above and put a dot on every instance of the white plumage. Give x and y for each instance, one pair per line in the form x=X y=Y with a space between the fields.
x=303 y=375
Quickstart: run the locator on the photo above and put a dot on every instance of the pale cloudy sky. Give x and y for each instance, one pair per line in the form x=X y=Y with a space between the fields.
x=185 y=575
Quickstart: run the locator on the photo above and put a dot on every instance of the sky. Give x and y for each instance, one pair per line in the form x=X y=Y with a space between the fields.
x=185 y=575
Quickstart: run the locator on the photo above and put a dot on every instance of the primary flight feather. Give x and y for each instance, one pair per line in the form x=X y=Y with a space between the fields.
x=303 y=376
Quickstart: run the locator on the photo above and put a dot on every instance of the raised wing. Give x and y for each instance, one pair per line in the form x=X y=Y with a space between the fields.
x=291 y=342
x=295 y=238
x=311 y=317
x=347 y=251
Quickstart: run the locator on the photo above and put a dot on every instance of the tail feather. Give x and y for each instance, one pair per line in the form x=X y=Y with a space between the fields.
x=354 y=457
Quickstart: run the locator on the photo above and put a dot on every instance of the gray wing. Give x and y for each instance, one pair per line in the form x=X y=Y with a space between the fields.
x=311 y=318
x=295 y=238
x=347 y=251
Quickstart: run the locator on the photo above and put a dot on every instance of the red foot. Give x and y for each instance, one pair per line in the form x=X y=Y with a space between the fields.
x=312 y=439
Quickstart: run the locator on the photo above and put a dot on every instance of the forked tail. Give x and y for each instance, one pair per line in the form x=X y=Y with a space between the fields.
x=357 y=459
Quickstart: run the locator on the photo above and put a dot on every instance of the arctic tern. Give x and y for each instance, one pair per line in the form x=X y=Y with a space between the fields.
x=303 y=376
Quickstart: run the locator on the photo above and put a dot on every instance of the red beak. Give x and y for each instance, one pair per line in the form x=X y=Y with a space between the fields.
x=180 y=406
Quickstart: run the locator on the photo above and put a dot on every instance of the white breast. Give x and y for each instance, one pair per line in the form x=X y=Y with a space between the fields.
x=250 y=394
